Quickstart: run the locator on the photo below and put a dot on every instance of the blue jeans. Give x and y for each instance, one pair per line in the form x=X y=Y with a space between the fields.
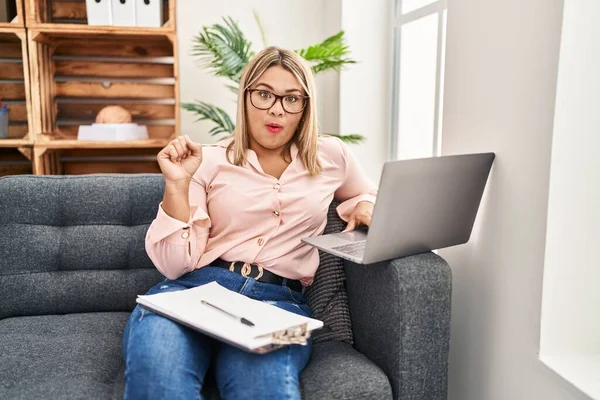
x=166 y=360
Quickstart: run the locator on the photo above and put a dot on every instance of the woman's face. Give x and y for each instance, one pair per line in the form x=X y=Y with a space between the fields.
x=271 y=127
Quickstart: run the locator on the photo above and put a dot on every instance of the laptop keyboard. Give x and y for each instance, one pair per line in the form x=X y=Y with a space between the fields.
x=354 y=249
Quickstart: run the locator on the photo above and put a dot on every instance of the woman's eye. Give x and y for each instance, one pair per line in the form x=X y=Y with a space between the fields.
x=264 y=95
x=291 y=99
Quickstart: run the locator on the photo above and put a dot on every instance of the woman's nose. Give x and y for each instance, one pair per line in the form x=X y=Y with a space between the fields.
x=277 y=108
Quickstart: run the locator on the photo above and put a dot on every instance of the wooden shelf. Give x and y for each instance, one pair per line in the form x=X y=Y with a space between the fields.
x=41 y=32
x=16 y=151
x=10 y=25
x=81 y=144
x=14 y=86
x=15 y=143
x=15 y=161
x=57 y=157
x=72 y=15
x=12 y=28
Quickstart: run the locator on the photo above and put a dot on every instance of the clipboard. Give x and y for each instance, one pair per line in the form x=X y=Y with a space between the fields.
x=274 y=327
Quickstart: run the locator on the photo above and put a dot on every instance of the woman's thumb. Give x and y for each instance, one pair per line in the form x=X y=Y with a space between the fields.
x=195 y=147
x=351 y=224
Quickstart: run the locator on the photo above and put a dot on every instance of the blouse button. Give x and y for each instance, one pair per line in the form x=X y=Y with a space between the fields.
x=185 y=235
x=276 y=186
x=260 y=242
x=276 y=213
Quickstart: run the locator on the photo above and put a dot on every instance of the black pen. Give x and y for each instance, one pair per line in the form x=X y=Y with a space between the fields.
x=241 y=319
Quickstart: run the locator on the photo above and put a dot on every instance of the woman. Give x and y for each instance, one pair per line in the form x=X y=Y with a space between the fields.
x=247 y=200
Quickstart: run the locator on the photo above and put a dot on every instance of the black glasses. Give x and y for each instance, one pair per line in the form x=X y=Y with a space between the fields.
x=291 y=103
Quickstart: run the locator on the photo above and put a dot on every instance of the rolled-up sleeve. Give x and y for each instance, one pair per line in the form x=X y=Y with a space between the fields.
x=175 y=246
x=356 y=185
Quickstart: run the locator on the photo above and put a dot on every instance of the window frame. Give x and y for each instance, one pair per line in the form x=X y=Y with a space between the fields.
x=399 y=20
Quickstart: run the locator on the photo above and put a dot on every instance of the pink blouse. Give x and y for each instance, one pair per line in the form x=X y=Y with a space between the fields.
x=241 y=213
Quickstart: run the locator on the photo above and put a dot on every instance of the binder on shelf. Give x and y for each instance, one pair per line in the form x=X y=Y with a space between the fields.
x=98 y=12
x=123 y=12
x=148 y=13
x=251 y=325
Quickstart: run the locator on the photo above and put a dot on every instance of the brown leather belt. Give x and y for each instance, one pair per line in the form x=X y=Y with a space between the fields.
x=257 y=272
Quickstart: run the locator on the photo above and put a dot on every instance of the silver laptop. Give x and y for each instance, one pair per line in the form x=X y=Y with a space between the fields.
x=422 y=205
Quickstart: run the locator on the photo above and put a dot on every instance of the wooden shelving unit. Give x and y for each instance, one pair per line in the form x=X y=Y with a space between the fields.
x=71 y=71
x=16 y=150
x=52 y=13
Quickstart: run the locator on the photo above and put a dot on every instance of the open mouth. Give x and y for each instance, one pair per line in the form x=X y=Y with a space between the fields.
x=274 y=128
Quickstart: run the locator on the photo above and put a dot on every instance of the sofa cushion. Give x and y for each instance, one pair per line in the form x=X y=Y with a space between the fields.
x=337 y=371
x=77 y=356
x=60 y=234
x=73 y=356
x=327 y=296
x=74 y=291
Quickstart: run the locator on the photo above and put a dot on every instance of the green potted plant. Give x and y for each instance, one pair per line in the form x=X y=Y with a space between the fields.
x=225 y=51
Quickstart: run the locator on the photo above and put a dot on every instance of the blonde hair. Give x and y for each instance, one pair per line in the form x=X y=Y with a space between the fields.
x=306 y=136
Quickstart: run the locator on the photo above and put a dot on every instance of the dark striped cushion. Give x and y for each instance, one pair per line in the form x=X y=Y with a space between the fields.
x=327 y=295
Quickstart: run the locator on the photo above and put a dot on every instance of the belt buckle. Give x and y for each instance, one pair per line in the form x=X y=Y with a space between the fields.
x=247 y=269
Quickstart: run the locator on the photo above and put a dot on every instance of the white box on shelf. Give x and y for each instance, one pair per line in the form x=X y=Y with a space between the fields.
x=112 y=132
x=98 y=12
x=123 y=12
x=148 y=13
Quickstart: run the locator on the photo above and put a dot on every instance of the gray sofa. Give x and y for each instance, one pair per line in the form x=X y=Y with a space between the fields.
x=72 y=261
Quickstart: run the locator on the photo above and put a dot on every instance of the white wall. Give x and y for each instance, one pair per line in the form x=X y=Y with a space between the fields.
x=571 y=306
x=365 y=88
x=501 y=75
x=294 y=24
x=297 y=24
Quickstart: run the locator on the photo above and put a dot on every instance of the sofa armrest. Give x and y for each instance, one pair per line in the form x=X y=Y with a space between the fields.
x=400 y=312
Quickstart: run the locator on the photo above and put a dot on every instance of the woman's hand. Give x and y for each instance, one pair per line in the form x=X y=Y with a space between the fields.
x=360 y=216
x=180 y=160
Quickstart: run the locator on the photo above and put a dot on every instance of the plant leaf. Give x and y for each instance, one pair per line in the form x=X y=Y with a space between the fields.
x=332 y=53
x=223 y=49
x=233 y=88
x=331 y=64
x=209 y=112
x=261 y=28
x=352 y=138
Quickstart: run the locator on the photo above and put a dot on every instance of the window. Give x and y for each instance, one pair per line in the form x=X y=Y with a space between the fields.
x=419 y=52
x=570 y=323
